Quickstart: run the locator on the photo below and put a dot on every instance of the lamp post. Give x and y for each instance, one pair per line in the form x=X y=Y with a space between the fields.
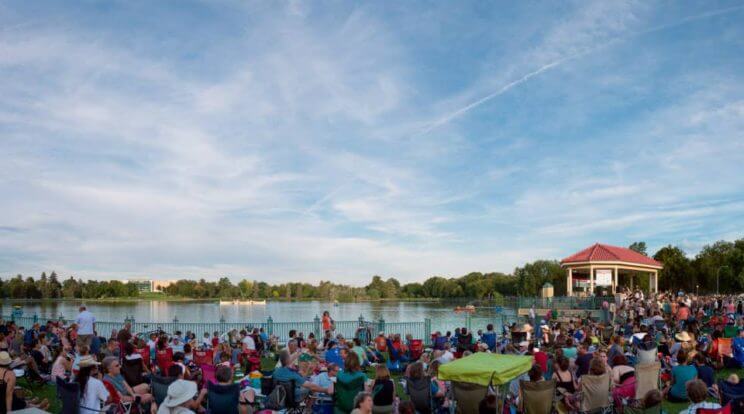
x=718 y=278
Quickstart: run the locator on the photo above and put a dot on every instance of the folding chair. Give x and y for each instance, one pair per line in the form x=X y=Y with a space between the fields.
x=115 y=401
x=69 y=394
x=223 y=399
x=164 y=360
x=647 y=378
x=419 y=391
x=537 y=397
x=726 y=409
x=291 y=405
x=594 y=395
x=208 y=374
x=159 y=387
x=132 y=371
x=204 y=357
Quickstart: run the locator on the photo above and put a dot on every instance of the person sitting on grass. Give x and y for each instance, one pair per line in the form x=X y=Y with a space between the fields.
x=10 y=401
x=681 y=373
x=697 y=392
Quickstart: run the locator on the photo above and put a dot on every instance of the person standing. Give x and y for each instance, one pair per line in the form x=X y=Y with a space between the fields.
x=86 y=325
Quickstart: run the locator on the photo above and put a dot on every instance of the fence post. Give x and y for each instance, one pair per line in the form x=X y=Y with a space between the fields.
x=61 y=319
x=467 y=320
x=270 y=325
x=36 y=317
x=316 y=326
x=427 y=330
x=222 y=324
x=381 y=324
x=175 y=323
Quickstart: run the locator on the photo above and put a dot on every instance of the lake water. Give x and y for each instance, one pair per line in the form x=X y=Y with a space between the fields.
x=441 y=314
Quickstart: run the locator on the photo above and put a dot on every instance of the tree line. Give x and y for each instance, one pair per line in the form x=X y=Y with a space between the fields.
x=717 y=267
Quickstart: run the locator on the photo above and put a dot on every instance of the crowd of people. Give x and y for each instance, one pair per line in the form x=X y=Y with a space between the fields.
x=687 y=338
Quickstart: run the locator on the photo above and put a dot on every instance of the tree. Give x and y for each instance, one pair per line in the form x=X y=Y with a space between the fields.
x=639 y=247
x=533 y=276
x=677 y=272
x=55 y=289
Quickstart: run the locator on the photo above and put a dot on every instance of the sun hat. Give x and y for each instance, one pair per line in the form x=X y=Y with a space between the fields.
x=5 y=359
x=179 y=392
x=683 y=337
x=87 y=361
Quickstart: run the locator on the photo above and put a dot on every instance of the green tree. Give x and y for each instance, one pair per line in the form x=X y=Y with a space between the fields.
x=677 y=272
x=533 y=276
x=639 y=247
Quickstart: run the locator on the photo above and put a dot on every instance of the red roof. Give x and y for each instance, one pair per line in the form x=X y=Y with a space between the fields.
x=607 y=253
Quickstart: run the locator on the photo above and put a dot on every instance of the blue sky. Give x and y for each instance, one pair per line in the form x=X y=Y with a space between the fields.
x=287 y=141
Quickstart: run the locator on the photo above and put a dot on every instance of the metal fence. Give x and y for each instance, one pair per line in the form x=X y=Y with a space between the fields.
x=348 y=328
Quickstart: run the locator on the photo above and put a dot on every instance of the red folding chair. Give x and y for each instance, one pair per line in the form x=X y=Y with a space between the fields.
x=164 y=359
x=208 y=374
x=726 y=409
x=416 y=349
x=145 y=354
x=204 y=357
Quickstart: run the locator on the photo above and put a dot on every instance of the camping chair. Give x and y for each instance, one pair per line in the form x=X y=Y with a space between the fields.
x=344 y=394
x=419 y=391
x=164 y=360
x=537 y=397
x=416 y=348
x=393 y=360
x=729 y=392
x=594 y=394
x=131 y=370
x=204 y=357
x=467 y=396
x=223 y=398
x=69 y=394
x=145 y=354
x=290 y=404
x=646 y=378
x=726 y=409
x=724 y=348
x=159 y=387
x=117 y=404
x=208 y=374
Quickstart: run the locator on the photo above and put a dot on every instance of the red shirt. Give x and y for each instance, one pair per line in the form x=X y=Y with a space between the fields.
x=541 y=358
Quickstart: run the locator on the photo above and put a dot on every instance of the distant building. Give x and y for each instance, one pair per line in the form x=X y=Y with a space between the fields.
x=147 y=285
x=160 y=285
x=143 y=285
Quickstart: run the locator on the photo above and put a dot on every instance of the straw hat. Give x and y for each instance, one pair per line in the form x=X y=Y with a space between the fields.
x=179 y=392
x=5 y=359
x=87 y=361
x=524 y=328
x=683 y=337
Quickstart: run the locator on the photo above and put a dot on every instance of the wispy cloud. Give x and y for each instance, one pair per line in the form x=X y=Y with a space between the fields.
x=275 y=142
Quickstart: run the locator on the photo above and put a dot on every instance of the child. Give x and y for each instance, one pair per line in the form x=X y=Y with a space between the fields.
x=215 y=339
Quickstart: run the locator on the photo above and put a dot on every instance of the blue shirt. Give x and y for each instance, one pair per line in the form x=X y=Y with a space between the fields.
x=738 y=345
x=682 y=374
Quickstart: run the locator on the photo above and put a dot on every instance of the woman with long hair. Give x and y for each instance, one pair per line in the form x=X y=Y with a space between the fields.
x=93 y=391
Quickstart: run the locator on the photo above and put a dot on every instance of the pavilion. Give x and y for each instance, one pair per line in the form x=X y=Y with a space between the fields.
x=604 y=265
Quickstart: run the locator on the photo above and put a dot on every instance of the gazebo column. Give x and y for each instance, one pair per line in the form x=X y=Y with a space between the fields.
x=614 y=281
x=591 y=280
x=569 y=283
x=656 y=282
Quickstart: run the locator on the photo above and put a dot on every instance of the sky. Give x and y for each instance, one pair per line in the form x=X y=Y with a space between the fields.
x=313 y=140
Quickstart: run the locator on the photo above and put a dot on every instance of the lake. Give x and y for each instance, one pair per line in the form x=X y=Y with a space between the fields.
x=442 y=314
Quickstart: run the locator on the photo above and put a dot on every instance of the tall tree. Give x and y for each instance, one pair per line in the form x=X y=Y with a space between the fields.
x=639 y=246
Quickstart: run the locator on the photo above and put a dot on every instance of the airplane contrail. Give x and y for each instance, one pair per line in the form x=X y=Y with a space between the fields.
x=452 y=115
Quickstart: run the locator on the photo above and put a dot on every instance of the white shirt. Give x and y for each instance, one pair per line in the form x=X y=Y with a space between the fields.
x=249 y=343
x=175 y=410
x=151 y=344
x=85 y=321
x=95 y=394
x=692 y=409
x=446 y=357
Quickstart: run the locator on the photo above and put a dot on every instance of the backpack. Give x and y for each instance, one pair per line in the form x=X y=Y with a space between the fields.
x=277 y=398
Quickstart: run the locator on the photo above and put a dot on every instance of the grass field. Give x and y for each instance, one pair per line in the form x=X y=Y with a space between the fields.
x=48 y=391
